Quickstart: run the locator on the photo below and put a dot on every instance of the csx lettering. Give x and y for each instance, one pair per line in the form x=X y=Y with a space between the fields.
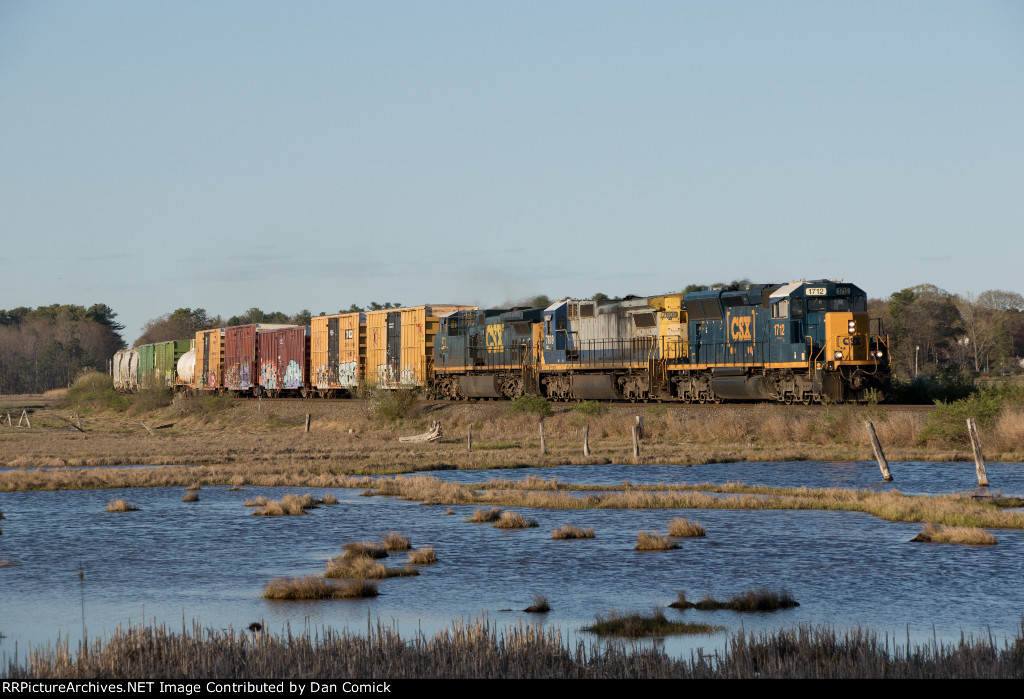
x=740 y=328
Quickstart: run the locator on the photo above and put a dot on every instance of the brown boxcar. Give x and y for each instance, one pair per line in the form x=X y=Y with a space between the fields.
x=337 y=352
x=241 y=369
x=400 y=344
x=284 y=360
x=209 y=373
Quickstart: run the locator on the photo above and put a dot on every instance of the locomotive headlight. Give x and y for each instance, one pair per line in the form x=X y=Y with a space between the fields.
x=839 y=354
x=879 y=354
x=852 y=326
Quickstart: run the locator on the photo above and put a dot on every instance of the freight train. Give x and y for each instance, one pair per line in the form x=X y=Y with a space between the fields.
x=805 y=342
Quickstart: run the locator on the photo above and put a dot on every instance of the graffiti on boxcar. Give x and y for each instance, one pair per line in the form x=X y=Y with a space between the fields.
x=268 y=375
x=323 y=377
x=348 y=373
x=293 y=375
x=408 y=375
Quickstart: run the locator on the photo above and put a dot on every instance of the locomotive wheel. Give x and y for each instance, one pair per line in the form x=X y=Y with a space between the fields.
x=806 y=399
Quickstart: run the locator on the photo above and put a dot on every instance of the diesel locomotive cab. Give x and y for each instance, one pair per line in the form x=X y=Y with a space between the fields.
x=827 y=322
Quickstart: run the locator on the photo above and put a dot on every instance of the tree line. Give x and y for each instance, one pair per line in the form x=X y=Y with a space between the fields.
x=47 y=347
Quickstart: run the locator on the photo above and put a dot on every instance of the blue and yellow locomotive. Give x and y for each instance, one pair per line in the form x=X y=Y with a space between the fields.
x=805 y=341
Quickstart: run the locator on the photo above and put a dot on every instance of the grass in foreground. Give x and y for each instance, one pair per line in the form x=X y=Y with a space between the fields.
x=481 y=649
x=568 y=531
x=682 y=527
x=653 y=541
x=312 y=587
x=121 y=506
x=190 y=496
x=972 y=536
x=762 y=600
x=637 y=625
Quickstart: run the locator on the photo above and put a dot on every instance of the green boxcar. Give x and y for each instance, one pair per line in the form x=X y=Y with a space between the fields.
x=147 y=366
x=165 y=364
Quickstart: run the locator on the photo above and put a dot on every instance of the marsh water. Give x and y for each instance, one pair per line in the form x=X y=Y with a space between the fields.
x=208 y=562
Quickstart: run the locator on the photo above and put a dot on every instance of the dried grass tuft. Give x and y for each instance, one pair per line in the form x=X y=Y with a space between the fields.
x=369 y=549
x=312 y=587
x=393 y=541
x=682 y=527
x=329 y=499
x=653 y=541
x=423 y=556
x=289 y=505
x=540 y=605
x=190 y=496
x=514 y=520
x=568 y=531
x=485 y=515
x=637 y=625
x=972 y=536
x=121 y=506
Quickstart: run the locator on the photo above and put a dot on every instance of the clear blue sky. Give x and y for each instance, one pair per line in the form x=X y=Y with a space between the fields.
x=316 y=154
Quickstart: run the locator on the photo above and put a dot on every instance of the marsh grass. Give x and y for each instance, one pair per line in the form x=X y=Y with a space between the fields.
x=423 y=556
x=972 y=536
x=637 y=625
x=190 y=496
x=653 y=541
x=568 y=531
x=329 y=499
x=514 y=520
x=682 y=527
x=313 y=587
x=289 y=505
x=761 y=600
x=364 y=567
x=258 y=501
x=393 y=541
x=194 y=487
x=368 y=549
x=480 y=649
x=540 y=605
x=7 y=563
x=389 y=405
x=121 y=506
x=483 y=515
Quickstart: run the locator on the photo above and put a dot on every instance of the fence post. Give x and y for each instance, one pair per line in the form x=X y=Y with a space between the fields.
x=586 y=440
x=640 y=426
x=979 y=460
x=469 y=439
x=543 y=445
x=879 y=455
x=636 y=442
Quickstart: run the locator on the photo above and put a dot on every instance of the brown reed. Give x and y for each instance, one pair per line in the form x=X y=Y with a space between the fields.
x=568 y=531
x=972 y=536
x=121 y=506
x=393 y=541
x=682 y=527
x=312 y=587
x=423 y=556
x=653 y=541
x=190 y=496
x=480 y=649
x=514 y=520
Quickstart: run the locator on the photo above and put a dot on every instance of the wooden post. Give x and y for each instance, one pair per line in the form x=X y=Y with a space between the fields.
x=9 y=419
x=640 y=426
x=586 y=440
x=25 y=417
x=469 y=439
x=147 y=428
x=879 y=455
x=543 y=445
x=979 y=460
x=307 y=422
x=259 y=403
x=78 y=421
x=636 y=442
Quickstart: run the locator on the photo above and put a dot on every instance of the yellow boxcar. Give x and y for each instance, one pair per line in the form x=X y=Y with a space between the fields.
x=337 y=354
x=400 y=344
x=209 y=373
